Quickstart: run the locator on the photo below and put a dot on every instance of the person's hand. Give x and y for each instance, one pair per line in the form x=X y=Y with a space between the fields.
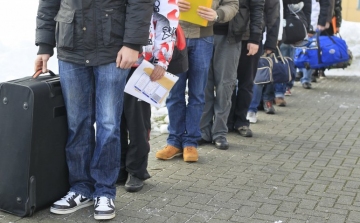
x=252 y=48
x=207 y=13
x=157 y=73
x=184 y=6
x=126 y=57
x=41 y=62
x=268 y=52
x=320 y=27
x=327 y=25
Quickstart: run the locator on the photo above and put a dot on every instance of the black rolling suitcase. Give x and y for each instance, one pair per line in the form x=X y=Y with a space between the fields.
x=33 y=134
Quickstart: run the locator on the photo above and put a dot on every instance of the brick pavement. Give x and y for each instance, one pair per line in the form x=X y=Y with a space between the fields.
x=300 y=166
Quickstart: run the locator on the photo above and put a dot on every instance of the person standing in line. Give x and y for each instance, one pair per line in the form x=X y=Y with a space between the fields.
x=303 y=10
x=136 y=123
x=247 y=67
x=184 y=130
x=97 y=43
x=222 y=73
x=265 y=92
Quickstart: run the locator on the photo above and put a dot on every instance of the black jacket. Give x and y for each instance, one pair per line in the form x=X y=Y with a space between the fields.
x=248 y=19
x=324 y=7
x=91 y=32
x=272 y=23
x=337 y=13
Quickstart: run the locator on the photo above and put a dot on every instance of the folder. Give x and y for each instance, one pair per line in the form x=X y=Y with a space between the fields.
x=192 y=16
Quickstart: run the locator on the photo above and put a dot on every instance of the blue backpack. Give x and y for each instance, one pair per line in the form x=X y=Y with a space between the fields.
x=321 y=52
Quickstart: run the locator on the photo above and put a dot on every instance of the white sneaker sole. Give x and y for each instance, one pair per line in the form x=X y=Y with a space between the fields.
x=71 y=210
x=104 y=216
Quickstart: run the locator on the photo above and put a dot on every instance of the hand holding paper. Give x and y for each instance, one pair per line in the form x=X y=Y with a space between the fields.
x=189 y=11
x=153 y=92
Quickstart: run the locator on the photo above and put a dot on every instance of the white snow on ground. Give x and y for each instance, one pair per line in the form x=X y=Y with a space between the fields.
x=18 y=51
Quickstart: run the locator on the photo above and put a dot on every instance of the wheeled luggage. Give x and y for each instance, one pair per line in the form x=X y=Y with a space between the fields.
x=33 y=134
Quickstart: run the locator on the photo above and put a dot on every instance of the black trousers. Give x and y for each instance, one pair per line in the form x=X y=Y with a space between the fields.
x=242 y=95
x=135 y=135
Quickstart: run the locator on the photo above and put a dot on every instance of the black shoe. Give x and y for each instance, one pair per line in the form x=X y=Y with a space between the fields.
x=306 y=85
x=221 y=143
x=299 y=75
x=203 y=142
x=245 y=131
x=321 y=74
x=133 y=184
x=269 y=108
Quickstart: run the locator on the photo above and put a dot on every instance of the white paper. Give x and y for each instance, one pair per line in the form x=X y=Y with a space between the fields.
x=153 y=92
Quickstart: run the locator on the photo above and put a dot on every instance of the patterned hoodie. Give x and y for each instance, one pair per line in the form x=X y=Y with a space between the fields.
x=162 y=38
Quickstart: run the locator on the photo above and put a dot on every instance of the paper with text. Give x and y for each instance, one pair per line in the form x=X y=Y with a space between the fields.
x=153 y=92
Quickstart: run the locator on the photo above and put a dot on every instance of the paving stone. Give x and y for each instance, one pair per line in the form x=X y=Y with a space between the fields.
x=301 y=166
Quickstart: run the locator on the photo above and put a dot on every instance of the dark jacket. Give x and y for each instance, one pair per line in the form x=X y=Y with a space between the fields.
x=324 y=7
x=91 y=32
x=272 y=23
x=247 y=23
x=337 y=13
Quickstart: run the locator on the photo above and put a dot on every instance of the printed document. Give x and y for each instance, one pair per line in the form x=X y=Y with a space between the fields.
x=152 y=92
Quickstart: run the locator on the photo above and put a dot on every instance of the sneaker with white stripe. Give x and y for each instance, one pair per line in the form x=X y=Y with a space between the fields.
x=70 y=203
x=104 y=208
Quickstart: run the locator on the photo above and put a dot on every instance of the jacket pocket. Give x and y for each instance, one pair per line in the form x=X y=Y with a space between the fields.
x=64 y=34
x=113 y=25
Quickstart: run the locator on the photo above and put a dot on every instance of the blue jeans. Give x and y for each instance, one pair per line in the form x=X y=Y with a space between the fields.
x=261 y=91
x=280 y=88
x=93 y=94
x=184 y=119
x=306 y=75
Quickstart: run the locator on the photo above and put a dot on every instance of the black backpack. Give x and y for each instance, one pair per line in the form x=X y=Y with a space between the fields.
x=294 y=28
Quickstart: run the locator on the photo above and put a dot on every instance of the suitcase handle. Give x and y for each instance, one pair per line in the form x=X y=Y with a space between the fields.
x=38 y=72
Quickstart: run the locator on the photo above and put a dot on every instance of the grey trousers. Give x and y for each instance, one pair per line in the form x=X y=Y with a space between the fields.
x=220 y=85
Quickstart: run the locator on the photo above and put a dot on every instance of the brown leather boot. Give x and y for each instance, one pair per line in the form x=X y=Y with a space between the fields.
x=168 y=152
x=190 y=154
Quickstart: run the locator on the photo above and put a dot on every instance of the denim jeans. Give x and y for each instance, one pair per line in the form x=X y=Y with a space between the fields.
x=280 y=88
x=184 y=119
x=261 y=91
x=93 y=95
x=306 y=75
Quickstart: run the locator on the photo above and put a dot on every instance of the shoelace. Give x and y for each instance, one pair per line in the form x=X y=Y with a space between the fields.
x=102 y=201
x=70 y=195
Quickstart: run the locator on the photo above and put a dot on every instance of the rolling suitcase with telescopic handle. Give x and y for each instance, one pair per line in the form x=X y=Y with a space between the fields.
x=33 y=134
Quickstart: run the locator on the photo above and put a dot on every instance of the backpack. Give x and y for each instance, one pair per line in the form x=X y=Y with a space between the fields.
x=294 y=28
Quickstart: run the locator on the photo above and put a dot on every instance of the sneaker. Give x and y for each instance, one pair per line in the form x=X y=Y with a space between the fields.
x=287 y=92
x=251 y=116
x=299 y=75
x=168 y=152
x=245 y=131
x=190 y=154
x=70 y=203
x=306 y=85
x=104 y=208
x=280 y=101
x=133 y=184
x=269 y=108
